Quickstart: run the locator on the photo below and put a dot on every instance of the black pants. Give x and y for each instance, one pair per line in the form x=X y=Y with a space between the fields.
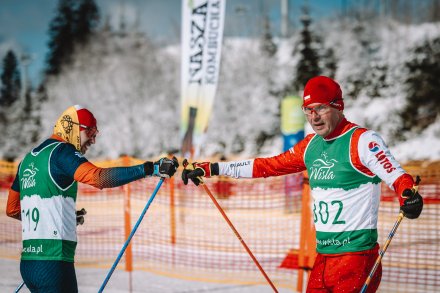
x=49 y=276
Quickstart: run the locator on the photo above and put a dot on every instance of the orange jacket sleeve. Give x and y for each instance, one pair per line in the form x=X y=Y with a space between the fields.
x=291 y=161
x=107 y=177
x=13 y=205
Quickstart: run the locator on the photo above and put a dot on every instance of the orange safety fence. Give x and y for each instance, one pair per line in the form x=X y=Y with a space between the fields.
x=184 y=236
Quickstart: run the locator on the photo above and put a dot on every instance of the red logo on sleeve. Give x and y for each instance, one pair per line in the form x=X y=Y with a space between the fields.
x=373 y=146
x=381 y=157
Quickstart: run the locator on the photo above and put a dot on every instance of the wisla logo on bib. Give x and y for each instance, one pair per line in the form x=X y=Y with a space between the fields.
x=381 y=157
x=28 y=179
x=322 y=169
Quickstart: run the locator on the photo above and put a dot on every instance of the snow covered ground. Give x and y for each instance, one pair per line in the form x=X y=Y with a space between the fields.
x=90 y=280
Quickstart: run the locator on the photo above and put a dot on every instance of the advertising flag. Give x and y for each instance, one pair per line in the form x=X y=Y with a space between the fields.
x=292 y=121
x=292 y=129
x=202 y=34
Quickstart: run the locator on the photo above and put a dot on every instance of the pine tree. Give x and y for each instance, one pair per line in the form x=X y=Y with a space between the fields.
x=19 y=115
x=376 y=78
x=329 y=63
x=434 y=11
x=267 y=44
x=11 y=82
x=364 y=39
x=268 y=67
x=61 y=36
x=86 y=20
x=423 y=100
x=308 y=65
x=72 y=25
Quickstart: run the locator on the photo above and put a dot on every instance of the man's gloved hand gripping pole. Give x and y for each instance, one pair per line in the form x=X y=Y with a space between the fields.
x=411 y=208
x=196 y=171
x=413 y=205
x=164 y=167
x=80 y=216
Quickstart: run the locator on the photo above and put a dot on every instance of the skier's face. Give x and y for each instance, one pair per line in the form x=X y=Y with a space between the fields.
x=88 y=137
x=324 y=122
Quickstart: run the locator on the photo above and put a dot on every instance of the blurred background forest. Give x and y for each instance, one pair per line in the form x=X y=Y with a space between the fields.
x=385 y=55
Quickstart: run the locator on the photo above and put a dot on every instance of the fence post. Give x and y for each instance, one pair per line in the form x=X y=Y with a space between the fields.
x=307 y=244
x=127 y=218
x=172 y=212
x=172 y=221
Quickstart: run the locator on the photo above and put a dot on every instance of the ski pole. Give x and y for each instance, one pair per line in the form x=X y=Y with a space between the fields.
x=19 y=287
x=238 y=235
x=387 y=242
x=121 y=253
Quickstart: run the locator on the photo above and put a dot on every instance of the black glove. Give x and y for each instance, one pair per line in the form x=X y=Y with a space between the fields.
x=413 y=205
x=80 y=216
x=164 y=168
x=195 y=171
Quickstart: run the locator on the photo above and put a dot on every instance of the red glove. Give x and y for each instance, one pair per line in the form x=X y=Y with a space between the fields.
x=196 y=170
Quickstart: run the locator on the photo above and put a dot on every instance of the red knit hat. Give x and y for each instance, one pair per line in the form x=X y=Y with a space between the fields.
x=85 y=117
x=323 y=90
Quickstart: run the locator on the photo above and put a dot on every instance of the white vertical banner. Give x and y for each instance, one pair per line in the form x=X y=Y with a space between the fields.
x=202 y=34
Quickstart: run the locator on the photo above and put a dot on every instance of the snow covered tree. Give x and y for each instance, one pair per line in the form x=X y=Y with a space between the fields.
x=357 y=79
x=268 y=69
x=423 y=88
x=126 y=82
x=268 y=46
x=23 y=127
x=19 y=116
x=245 y=118
x=11 y=80
x=434 y=11
x=308 y=65
x=86 y=20
x=329 y=63
x=72 y=25
x=377 y=78
x=61 y=37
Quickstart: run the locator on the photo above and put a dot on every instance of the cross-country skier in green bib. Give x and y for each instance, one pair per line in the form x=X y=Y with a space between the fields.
x=346 y=164
x=43 y=197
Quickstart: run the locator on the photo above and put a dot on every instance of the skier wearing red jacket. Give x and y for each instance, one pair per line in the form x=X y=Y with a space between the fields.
x=43 y=195
x=346 y=164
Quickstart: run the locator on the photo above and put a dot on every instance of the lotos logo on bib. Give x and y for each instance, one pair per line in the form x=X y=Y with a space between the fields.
x=373 y=146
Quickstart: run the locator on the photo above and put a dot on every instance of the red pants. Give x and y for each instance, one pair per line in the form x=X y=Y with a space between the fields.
x=344 y=272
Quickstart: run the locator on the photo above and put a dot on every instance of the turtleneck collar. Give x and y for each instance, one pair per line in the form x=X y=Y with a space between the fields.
x=54 y=136
x=343 y=126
